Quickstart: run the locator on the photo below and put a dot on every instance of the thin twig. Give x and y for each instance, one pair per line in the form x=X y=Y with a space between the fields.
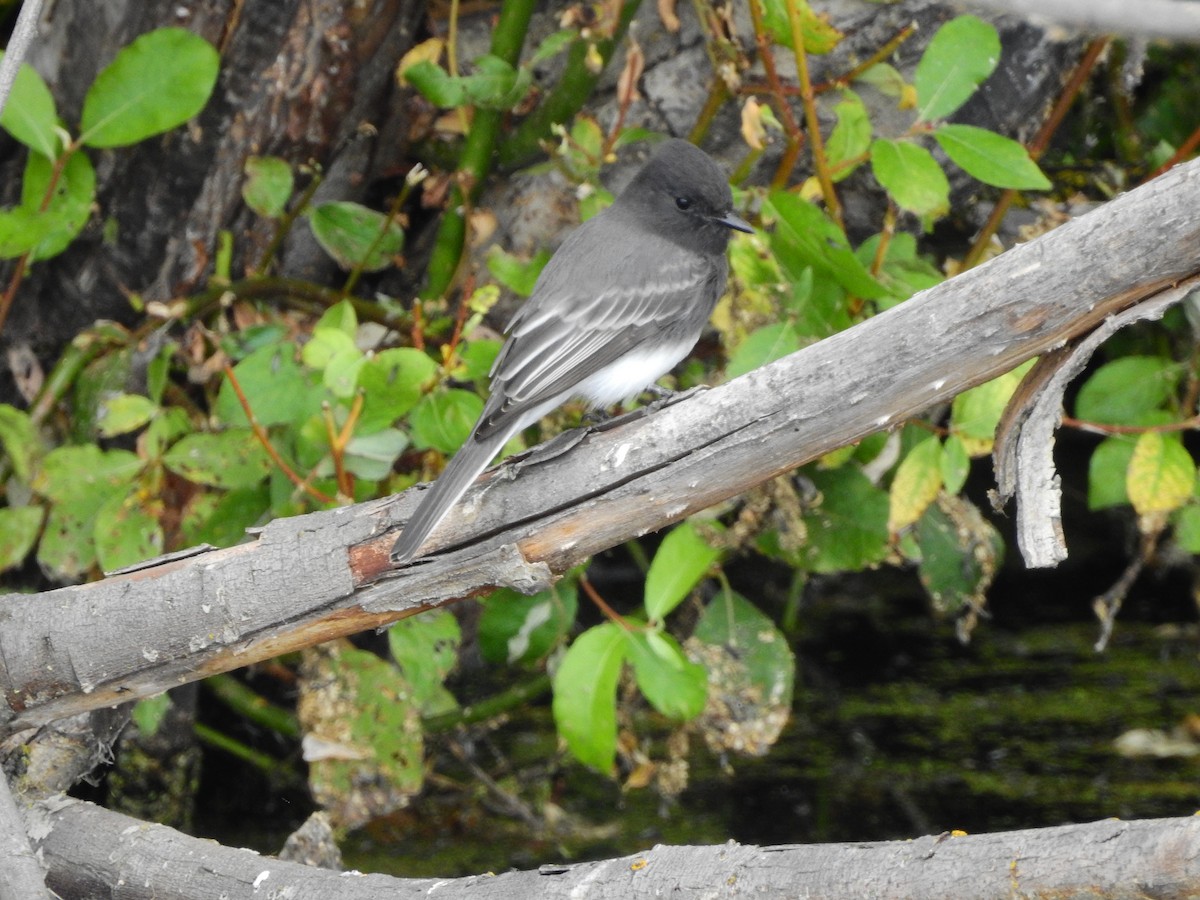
x=815 y=142
x=791 y=127
x=265 y=440
x=604 y=607
x=1037 y=147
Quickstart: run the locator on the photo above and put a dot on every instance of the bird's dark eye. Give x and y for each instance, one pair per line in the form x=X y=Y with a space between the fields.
x=683 y=202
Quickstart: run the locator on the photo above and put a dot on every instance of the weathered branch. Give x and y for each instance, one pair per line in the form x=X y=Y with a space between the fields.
x=315 y=577
x=20 y=874
x=91 y=851
x=1169 y=20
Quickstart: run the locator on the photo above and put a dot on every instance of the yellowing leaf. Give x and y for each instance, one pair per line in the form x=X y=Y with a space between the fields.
x=975 y=414
x=916 y=485
x=426 y=51
x=1161 y=474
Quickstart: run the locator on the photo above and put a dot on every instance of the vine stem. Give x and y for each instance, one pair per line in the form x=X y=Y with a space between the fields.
x=1105 y=428
x=808 y=99
x=265 y=440
x=603 y=606
x=1037 y=147
x=791 y=128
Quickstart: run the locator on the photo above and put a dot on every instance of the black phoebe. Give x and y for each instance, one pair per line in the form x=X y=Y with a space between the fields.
x=619 y=304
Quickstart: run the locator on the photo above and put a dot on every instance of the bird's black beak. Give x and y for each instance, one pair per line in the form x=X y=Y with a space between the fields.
x=734 y=221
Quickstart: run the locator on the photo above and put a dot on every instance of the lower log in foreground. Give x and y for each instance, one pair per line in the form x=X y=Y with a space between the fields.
x=91 y=851
x=315 y=577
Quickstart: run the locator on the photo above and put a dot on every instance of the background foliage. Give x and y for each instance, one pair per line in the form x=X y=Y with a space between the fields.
x=220 y=412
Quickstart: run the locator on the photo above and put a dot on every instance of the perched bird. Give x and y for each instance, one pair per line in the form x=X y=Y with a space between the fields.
x=619 y=304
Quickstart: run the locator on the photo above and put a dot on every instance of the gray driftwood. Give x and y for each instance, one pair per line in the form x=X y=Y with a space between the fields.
x=91 y=851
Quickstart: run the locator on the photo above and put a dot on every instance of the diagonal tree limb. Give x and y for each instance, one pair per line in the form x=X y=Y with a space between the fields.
x=312 y=578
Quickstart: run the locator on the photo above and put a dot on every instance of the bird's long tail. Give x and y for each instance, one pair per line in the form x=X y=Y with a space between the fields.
x=462 y=470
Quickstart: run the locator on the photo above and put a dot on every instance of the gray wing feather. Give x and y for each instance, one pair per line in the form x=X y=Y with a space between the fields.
x=569 y=330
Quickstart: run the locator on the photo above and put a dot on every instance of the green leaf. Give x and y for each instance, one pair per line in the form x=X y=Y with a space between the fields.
x=339 y=317
x=149 y=712
x=324 y=345
x=79 y=481
x=443 y=419
x=268 y=185
x=990 y=157
x=848 y=530
x=68 y=475
x=1161 y=474
x=362 y=734
x=371 y=456
x=955 y=464
x=959 y=58
x=222 y=520
x=495 y=84
x=1123 y=391
x=904 y=272
x=960 y=555
x=476 y=358
x=434 y=83
x=1187 y=528
x=1106 y=472
x=392 y=382
x=30 y=116
x=426 y=649
x=553 y=45
x=916 y=484
x=585 y=695
x=18 y=439
x=228 y=459
x=515 y=628
x=751 y=675
x=278 y=389
x=673 y=684
x=516 y=274
x=816 y=32
x=912 y=177
x=156 y=83
x=350 y=233
x=126 y=533
x=974 y=414
x=851 y=136
x=683 y=558
x=19 y=526
x=884 y=78
x=804 y=236
x=334 y=353
x=763 y=345
x=21 y=230
x=122 y=413
x=70 y=202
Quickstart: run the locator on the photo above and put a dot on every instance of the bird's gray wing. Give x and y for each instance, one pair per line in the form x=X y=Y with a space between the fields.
x=582 y=319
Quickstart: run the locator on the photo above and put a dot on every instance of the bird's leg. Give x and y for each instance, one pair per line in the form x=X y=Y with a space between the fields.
x=658 y=392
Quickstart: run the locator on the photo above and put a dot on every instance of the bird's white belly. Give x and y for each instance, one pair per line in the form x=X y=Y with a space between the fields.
x=630 y=375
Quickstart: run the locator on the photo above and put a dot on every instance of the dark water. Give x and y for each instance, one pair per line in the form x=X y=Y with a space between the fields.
x=898 y=730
